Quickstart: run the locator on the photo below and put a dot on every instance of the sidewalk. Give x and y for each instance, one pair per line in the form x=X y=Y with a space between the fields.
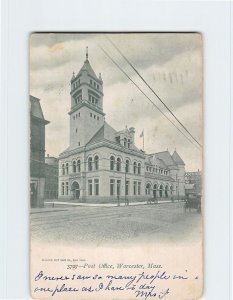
x=54 y=206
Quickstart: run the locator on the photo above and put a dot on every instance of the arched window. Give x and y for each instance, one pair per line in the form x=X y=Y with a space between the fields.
x=125 y=142
x=148 y=188
x=139 y=168
x=79 y=166
x=127 y=166
x=135 y=167
x=161 y=191
x=155 y=190
x=63 y=169
x=74 y=166
x=67 y=168
x=63 y=188
x=112 y=162
x=118 y=165
x=67 y=188
x=171 y=189
x=90 y=164
x=96 y=161
x=166 y=191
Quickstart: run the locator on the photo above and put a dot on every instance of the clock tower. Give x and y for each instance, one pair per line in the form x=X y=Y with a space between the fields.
x=86 y=112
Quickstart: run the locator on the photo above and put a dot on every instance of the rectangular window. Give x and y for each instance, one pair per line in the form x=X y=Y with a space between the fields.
x=90 y=114
x=96 y=187
x=139 y=188
x=127 y=188
x=135 y=187
x=118 y=187
x=90 y=187
x=112 y=183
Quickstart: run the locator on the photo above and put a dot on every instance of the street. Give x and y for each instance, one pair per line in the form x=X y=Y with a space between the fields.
x=165 y=222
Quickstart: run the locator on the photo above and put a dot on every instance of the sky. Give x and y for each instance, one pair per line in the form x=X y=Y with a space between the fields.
x=171 y=63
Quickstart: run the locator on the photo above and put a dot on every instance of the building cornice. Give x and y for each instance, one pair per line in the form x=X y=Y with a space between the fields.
x=104 y=143
x=87 y=104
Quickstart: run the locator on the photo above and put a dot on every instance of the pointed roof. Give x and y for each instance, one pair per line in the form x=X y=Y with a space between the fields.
x=87 y=68
x=166 y=157
x=178 y=160
x=106 y=132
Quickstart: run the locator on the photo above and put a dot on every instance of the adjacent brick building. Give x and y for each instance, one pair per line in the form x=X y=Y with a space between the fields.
x=51 y=177
x=37 y=154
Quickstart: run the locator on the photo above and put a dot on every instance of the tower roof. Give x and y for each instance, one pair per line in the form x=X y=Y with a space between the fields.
x=87 y=68
x=178 y=160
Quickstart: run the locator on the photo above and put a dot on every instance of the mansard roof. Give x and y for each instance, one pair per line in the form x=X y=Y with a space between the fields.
x=36 y=110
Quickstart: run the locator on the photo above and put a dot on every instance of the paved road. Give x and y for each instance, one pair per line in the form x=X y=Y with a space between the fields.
x=100 y=225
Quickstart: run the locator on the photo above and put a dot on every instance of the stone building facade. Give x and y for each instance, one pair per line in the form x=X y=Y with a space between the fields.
x=104 y=165
x=37 y=153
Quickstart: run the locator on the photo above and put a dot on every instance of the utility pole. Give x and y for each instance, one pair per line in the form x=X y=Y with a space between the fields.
x=178 y=189
x=125 y=187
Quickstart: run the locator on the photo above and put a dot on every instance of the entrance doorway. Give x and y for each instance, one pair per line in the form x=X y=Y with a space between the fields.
x=75 y=190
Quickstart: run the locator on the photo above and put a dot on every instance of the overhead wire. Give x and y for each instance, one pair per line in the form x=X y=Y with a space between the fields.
x=147 y=97
x=147 y=84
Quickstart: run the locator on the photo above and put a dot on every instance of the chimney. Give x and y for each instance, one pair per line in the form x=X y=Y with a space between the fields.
x=132 y=133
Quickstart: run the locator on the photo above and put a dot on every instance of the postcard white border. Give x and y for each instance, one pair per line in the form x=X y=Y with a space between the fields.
x=19 y=18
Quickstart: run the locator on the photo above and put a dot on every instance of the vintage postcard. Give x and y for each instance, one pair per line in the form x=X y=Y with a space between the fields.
x=116 y=166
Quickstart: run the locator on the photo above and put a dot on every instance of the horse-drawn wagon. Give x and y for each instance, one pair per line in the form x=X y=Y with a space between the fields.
x=192 y=202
